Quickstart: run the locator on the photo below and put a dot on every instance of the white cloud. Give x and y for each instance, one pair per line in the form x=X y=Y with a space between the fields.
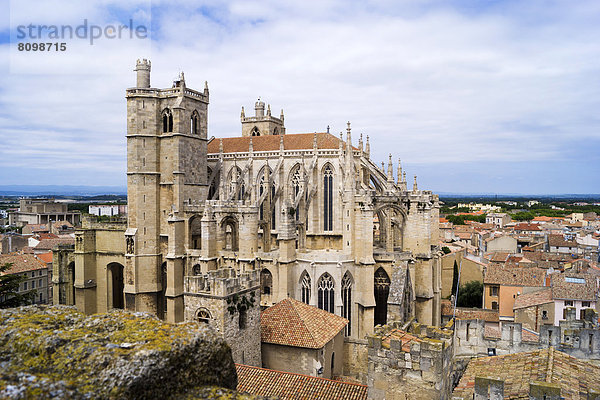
x=435 y=83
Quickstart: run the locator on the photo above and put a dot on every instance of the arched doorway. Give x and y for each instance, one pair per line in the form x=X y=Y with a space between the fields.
x=382 y=291
x=117 y=297
x=195 y=233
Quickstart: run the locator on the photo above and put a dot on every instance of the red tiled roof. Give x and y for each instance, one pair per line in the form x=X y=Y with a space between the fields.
x=576 y=378
x=527 y=227
x=21 y=263
x=296 y=141
x=536 y=298
x=499 y=275
x=45 y=257
x=49 y=244
x=469 y=313
x=293 y=323
x=290 y=386
x=559 y=241
x=571 y=289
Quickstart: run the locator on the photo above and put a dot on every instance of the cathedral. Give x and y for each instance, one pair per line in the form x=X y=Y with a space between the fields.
x=220 y=228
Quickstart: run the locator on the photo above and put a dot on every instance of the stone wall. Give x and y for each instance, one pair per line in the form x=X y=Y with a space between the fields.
x=415 y=364
x=229 y=302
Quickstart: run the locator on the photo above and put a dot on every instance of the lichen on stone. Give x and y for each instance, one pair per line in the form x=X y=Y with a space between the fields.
x=58 y=352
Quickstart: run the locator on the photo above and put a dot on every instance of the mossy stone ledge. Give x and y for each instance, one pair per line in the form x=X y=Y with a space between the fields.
x=57 y=352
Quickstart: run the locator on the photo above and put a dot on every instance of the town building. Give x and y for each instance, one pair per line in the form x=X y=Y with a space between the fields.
x=108 y=210
x=42 y=211
x=33 y=270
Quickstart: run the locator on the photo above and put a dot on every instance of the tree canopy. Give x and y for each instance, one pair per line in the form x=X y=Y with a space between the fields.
x=9 y=289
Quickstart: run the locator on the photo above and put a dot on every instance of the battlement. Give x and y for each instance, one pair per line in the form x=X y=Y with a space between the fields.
x=91 y=222
x=422 y=354
x=222 y=282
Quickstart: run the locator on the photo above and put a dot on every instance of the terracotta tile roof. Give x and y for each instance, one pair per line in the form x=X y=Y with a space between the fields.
x=289 y=386
x=576 y=378
x=499 y=256
x=527 y=227
x=293 y=323
x=45 y=257
x=38 y=227
x=499 y=275
x=21 y=263
x=469 y=313
x=567 y=286
x=41 y=236
x=559 y=241
x=49 y=244
x=296 y=141
x=536 y=298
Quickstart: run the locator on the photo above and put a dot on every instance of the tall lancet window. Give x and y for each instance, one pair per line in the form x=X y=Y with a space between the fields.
x=328 y=199
x=261 y=190
x=273 y=206
x=167 y=121
x=194 y=123
x=305 y=282
x=326 y=300
x=347 y=302
x=296 y=182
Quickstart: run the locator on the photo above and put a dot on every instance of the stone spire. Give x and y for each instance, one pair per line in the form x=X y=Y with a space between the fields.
x=281 y=117
x=399 y=172
x=390 y=171
x=368 y=148
x=243 y=114
x=281 y=147
x=250 y=147
x=383 y=166
x=268 y=110
x=415 y=188
x=205 y=88
x=315 y=146
x=360 y=143
x=221 y=148
x=348 y=138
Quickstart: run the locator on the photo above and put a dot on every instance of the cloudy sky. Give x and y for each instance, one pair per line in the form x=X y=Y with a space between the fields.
x=473 y=96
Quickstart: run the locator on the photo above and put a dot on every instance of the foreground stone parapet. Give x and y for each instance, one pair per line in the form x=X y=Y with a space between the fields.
x=58 y=352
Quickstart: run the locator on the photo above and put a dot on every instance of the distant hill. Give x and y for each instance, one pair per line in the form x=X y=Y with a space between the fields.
x=60 y=190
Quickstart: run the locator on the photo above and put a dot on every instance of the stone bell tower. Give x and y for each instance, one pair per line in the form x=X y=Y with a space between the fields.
x=261 y=124
x=166 y=169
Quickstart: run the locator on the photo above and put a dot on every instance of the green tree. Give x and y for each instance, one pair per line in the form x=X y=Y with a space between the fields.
x=470 y=294
x=9 y=288
x=456 y=219
x=455 y=278
x=523 y=216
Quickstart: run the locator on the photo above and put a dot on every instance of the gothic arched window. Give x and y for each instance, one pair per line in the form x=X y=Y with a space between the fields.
x=273 y=207
x=305 y=287
x=195 y=233
x=202 y=315
x=196 y=270
x=266 y=281
x=261 y=189
x=382 y=290
x=347 y=302
x=328 y=199
x=194 y=123
x=296 y=186
x=326 y=299
x=167 y=121
x=255 y=131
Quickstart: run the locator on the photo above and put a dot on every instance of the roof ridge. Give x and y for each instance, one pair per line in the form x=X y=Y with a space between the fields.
x=310 y=333
x=550 y=368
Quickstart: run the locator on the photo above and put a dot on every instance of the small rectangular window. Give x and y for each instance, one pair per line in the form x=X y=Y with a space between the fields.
x=24 y=285
x=568 y=303
x=40 y=283
x=585 y=304
x=33 y=284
